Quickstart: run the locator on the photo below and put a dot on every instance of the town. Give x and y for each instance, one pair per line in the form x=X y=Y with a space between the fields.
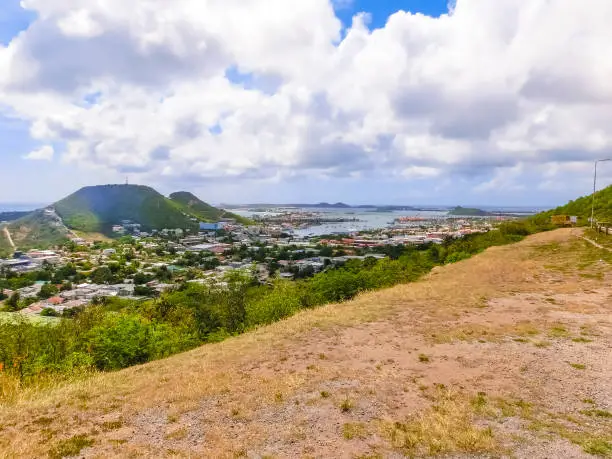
x=136 y=265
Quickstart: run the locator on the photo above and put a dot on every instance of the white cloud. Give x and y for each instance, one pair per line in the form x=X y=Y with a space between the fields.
x=44 y=153
x=142 y=87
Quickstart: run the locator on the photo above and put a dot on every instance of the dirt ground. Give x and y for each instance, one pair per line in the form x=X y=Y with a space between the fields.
x=508 y=354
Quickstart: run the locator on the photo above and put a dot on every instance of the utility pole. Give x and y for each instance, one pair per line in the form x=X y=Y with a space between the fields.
x=595 y=190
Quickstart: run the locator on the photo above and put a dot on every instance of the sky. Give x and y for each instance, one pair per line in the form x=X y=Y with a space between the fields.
x=472 y=102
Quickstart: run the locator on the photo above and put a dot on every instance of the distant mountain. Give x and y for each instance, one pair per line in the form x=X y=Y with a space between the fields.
x=96 y=209
x=325 y=205
x=581 y=207
x=192 y=205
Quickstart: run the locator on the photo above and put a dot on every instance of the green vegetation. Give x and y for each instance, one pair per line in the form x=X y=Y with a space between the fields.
x=468 y=212
x=581 y=207
x=203 y=211
x=115 y=333
x=95 y=209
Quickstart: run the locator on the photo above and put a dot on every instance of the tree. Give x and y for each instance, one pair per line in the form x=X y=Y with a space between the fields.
x=102 y=275
x=47 y=291
x=143 y=290
x=141 y=278
x=163 y=274
x=12 y=303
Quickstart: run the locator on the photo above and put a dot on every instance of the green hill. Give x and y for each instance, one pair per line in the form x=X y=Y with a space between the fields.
x=192 y=205
x=95 y=209
x=37 y=230
x=581 y=207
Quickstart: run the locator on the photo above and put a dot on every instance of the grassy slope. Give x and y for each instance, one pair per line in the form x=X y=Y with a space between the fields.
x=581 y=207
x=96 y=209
x=207 y=213
x=487 y=341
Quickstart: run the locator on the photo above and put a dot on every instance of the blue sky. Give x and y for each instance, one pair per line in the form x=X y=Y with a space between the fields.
x=380 y=10
x=13 y=19
x=430 y=111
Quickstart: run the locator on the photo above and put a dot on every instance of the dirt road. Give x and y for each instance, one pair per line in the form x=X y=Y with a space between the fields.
x=7 y=234
x=505 y=355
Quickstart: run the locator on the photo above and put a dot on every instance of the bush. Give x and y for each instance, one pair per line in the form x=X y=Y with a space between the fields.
x=49 y=312
x=283 y=300
x=120 y=341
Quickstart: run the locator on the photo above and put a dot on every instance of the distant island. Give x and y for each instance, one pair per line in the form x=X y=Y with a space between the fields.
x=468 y=212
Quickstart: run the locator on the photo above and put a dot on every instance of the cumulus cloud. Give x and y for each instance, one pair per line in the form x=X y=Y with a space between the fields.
x=222 y=89
x=44 y=153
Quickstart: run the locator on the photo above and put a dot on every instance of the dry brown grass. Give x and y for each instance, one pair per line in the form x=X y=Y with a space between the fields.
x=274 y=390
x=447 y=427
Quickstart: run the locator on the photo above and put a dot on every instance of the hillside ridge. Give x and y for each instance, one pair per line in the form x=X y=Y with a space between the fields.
x=193 y=205
x=582 y=207
x=483 y=356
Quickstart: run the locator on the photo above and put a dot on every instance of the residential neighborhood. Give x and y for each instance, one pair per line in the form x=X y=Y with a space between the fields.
x=138 y=265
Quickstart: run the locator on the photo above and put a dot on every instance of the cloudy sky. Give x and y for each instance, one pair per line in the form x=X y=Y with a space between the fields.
x=366 y=101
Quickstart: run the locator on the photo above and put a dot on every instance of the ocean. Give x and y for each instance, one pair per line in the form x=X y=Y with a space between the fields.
x=20 y=207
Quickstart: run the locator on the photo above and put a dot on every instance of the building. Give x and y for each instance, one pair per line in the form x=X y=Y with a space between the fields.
x=40 y=256
x=211 y=226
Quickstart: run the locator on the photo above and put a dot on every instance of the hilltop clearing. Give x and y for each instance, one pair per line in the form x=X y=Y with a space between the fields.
x=504 y=354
